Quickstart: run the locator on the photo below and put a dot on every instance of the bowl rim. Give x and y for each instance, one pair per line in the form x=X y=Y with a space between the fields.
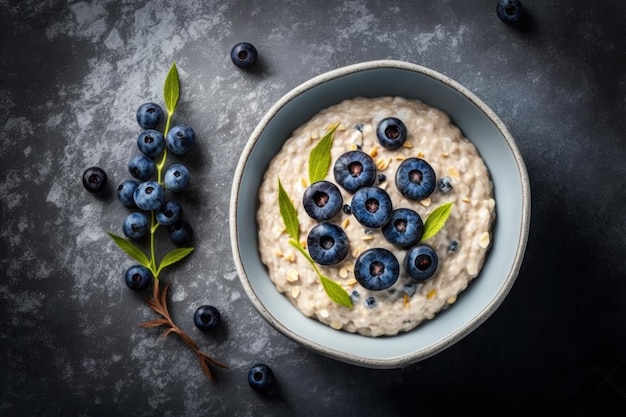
x=449 y=339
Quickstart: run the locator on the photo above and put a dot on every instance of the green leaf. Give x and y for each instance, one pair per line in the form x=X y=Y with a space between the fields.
x=173 y=257
x=436 y=220
x=335 y=292
x=288 y=212
x=171 y=89
x=319 y=158
x=132 y=250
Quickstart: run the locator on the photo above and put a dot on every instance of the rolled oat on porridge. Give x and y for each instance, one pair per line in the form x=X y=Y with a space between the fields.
x=393 y=163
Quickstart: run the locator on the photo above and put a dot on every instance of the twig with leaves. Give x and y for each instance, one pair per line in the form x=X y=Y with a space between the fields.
x=158 y=301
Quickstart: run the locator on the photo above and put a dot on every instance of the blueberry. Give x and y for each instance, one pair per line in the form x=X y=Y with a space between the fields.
x=181 y=233
x=391 y=133
x=176 y=178
x=453 y=246
x=322 y=200
x=149 y=115
x=206 y=318
x=243 y=55
x=376 y=269
x=354 y=295
x=404 y=229
x=444 y=184
x=353 y=170
x=141 y=167
x=382 y=178
x=138 y=277
x=94 y=179
x=421 y=262
x=347 y=209
x=371 y=206
x=135 y=225
x=327 y=243
x=415 y=178
x=509 y=11
x=261 y=378
x=125 y=192
x=409 y=289
x=149 y=196
x=169 y=213
x=370 y=302
x=151 y=143
x=179 y=139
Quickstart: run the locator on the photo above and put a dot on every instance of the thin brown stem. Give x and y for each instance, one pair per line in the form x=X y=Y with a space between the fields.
x=158 y=304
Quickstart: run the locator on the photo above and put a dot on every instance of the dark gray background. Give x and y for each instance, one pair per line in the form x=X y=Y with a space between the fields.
x=72 y=74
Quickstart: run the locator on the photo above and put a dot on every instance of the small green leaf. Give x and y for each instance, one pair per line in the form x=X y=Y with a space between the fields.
x=303 y=251
x=288 y=213
x=436 y=220
x=335 y=292
x=173 y=257
x=132 y=250
x=319 y=158
x=171 y=89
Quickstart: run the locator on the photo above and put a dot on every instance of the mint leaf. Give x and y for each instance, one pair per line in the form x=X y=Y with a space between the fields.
x=288 y=213
x=335 y=292
x=171 y=89
x=436 y=220
x=173 y=257
x=132 y=250
x=319 y=158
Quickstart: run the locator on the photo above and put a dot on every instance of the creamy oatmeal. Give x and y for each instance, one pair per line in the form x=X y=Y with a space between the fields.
x=461 y=245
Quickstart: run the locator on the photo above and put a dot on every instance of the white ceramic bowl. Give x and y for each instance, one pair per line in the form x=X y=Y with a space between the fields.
x=512 y=193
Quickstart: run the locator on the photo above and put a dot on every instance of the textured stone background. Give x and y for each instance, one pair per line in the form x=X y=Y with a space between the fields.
x=72 y=74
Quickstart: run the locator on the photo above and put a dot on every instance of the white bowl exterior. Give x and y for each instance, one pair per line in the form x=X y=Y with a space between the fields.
x=476 y=121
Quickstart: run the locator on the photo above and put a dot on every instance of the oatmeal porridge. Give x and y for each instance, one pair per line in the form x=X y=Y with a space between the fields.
x=461 y=245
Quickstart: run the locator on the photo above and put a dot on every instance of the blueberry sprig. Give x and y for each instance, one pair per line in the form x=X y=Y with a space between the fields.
x=150 y=197
x=319 y=163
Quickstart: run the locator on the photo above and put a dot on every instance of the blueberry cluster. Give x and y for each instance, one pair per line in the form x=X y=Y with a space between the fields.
x=151 y=193
x=355 y=171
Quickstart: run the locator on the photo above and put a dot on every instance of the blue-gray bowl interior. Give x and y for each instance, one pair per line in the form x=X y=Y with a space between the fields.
x=474 y=305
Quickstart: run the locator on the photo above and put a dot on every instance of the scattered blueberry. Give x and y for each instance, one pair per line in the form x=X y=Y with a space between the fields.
x=444 y=184
x=169 y=213
x=141 y=167
x=243 y=55
x=354 y=169
x=370 y=302
x=391 y=133
x=138 y=277
x=125 y=192
x=151 y=143
x=382 y=178
x=421 y=262
x=404 y=229
x=415 y=178
x=371 y=206
x=135 y=225
x=409 y=289
x=176 y=178
x=347 y=209
x=149 y=115
x=181 y=233
x=327 y=243
x=453 y=246
x=376 y=269
x=179 y=139
x=149 y=196
x=322 y=200
x=261 y=378
x=206 y=318
x=355 y=295
x=510 y=11
x=94 y=179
